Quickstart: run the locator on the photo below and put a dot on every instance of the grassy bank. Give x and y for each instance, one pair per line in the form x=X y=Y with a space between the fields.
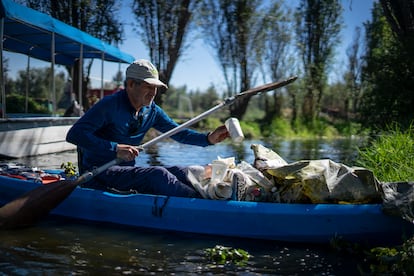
x=390 y=155
x=284 y=128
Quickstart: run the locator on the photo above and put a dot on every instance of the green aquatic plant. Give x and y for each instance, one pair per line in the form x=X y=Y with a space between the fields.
x=222 y=255
x=69 y=169
x=380 y=260
x=397 y=260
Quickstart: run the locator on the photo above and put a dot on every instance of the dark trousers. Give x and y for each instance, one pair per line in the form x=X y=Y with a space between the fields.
x=156 y=180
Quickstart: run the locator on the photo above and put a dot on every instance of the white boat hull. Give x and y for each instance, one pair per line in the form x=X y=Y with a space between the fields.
x=34 y=136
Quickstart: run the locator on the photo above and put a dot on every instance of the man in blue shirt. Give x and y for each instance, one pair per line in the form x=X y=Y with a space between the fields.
x=116 y=124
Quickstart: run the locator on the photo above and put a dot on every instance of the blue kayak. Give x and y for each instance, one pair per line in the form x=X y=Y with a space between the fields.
x=304 y=223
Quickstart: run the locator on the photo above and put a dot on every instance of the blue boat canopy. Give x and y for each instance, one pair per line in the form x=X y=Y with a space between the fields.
x=32 y=33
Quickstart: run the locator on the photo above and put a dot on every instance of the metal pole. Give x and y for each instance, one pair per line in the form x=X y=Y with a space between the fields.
x=80 y=81
x=102 y=75
x=72 y=84
x=26 y=102
x=119 y=84
x=2 y=84
x=53 y=90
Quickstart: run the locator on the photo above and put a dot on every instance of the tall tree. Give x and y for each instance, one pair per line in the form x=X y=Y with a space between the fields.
x=234 y=29
x=389 y=73
x=274 y=60
x=400 y=16
x=353 y=74
x=164 y=26
x=317 y=31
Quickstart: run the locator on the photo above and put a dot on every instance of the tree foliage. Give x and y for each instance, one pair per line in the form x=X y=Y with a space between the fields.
x=180 y=103
x=164 y=26
x=317 y=32
x=237 y=32
x=275 y=60
x=37 y=86
x=95 y=17
x=227 y=28
x=37 y=82
x=400 y=16
x=389 y=74
x=352 y=77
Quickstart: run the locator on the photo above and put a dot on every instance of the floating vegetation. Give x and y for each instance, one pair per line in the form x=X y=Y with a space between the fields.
x=70 y=169
x=223 y=255
x=393 y=260
x=399 y=260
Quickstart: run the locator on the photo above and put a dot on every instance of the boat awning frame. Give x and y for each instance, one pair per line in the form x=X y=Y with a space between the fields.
x=30 y=32
x=38 y=35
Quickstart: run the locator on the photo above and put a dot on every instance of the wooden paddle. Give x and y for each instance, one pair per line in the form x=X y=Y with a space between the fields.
x=30 y=207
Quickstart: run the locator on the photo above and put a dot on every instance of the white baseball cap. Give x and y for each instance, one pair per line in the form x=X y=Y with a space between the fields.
x=144 y=70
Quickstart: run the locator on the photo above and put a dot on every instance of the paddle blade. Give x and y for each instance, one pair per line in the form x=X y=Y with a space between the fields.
x=30 y=207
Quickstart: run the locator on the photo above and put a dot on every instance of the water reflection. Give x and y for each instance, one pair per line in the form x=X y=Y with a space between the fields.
x=59 y=247
x=339 y=150
x=172 y=153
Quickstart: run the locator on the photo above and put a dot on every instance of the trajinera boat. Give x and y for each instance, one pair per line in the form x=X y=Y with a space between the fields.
x=304 y=223
x=38 y=35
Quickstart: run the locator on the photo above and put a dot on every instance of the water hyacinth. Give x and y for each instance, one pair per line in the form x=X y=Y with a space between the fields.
x=222 y=255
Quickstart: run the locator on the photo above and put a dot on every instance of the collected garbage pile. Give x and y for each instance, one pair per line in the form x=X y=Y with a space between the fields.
x=271 y=179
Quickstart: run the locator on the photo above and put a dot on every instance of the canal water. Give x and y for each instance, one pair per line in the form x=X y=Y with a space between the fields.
x=67 y=247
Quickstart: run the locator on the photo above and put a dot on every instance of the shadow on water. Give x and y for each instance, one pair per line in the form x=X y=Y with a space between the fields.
x=60 y=247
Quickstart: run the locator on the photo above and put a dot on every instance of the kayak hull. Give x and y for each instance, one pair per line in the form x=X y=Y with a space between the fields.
x=304 y=223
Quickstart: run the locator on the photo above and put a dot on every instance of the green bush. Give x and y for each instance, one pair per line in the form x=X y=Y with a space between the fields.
x=391 y=155
x=348 y=128
x=208 y=124
x=284 y=128
x=16 y=104
x=251 y=130
x=279 y=127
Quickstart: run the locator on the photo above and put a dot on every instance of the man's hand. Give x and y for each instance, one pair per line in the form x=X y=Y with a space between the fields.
x=126 y=152
x=218 y=135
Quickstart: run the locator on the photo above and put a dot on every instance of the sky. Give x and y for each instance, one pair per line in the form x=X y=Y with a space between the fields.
x=198 y=69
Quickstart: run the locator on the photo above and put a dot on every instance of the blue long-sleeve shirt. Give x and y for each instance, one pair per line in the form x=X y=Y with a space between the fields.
x=108 y=123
